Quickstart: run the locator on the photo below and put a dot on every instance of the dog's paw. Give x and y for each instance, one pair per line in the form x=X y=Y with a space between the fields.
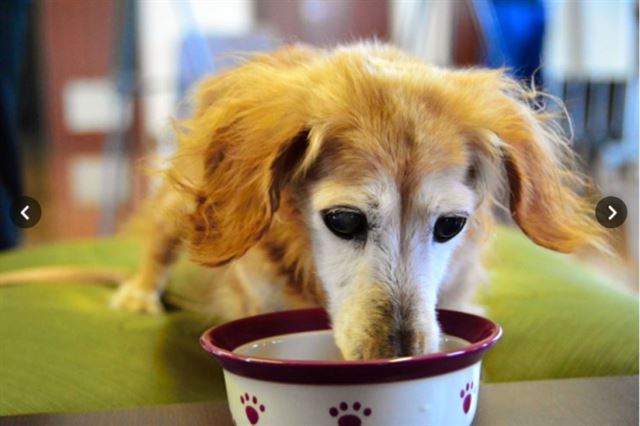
x=129 y=297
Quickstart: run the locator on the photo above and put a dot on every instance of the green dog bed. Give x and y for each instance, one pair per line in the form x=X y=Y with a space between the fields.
x=64 y=350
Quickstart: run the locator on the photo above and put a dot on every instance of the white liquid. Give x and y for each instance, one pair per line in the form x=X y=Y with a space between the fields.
x=315 y=346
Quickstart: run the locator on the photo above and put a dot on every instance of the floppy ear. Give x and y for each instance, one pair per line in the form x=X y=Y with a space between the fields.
x=548 y=197
x=249 y=136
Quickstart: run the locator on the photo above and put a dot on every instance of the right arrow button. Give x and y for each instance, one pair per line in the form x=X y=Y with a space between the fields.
x=611 y=212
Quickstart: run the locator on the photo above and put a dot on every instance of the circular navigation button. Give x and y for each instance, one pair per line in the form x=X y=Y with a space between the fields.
x=611 y=212
x=25 y=212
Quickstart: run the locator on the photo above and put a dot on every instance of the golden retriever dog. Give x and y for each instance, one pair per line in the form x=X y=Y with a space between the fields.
x=358 y=179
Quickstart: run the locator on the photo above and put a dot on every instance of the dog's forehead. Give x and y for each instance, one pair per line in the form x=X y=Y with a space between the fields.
x=388 y=134
x=403 y=142
x=385 y=174
x=389 y=121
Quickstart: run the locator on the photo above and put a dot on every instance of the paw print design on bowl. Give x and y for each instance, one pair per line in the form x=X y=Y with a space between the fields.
x=466 y=396
x=252 y=409
x=349 y=417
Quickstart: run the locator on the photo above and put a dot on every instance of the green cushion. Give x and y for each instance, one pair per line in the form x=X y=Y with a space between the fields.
x=63 y=349
x=560 y=319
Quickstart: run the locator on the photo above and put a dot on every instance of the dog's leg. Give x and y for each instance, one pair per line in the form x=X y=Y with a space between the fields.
x=141 y=293
x=157 y=220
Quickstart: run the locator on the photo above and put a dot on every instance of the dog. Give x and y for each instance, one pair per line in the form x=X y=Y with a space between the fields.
x=361 y=180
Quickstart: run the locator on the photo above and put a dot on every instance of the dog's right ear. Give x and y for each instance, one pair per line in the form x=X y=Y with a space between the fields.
x=250 y=136
x=548 y=196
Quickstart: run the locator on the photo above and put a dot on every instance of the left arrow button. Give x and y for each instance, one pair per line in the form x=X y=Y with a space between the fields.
x=25 y=212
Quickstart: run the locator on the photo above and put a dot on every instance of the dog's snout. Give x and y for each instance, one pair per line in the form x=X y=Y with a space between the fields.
x=405 y=342
x=385 y=325
x=402 y=342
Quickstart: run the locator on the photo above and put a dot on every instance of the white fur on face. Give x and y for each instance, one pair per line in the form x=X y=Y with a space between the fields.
x=387 y=286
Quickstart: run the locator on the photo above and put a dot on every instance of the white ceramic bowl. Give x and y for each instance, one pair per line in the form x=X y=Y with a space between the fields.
x=284 y=369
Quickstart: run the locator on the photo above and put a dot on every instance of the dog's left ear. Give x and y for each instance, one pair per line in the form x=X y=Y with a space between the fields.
x=250 y=137
x=241 y=192
x=548 y=197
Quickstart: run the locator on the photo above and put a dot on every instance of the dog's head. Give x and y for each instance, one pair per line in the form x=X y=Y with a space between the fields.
x=390 y=168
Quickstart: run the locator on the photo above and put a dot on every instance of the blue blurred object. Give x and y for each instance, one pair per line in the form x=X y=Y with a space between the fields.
x=196 y=59
x=202 y=55
x=126 y=53
x=13 y=26
x=513 y=31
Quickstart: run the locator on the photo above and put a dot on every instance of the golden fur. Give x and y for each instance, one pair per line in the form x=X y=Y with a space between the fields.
x=272 y=137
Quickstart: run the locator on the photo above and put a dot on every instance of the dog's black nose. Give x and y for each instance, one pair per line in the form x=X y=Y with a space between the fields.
x=403 y=342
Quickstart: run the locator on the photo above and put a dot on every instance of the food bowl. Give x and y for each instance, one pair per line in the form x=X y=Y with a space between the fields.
x=283 y=369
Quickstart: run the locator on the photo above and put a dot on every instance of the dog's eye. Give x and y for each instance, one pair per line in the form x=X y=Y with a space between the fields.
x=448 y=227
x=346 y=223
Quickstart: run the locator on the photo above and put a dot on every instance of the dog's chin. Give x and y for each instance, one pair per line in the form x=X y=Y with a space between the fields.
x=374 y=350
x=368 y=326
x=395 y=346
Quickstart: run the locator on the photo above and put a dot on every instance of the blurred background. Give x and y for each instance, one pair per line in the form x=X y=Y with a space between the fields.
x=88 y=87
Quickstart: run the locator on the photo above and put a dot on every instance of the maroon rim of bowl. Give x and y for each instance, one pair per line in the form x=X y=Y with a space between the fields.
x=222 y=340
